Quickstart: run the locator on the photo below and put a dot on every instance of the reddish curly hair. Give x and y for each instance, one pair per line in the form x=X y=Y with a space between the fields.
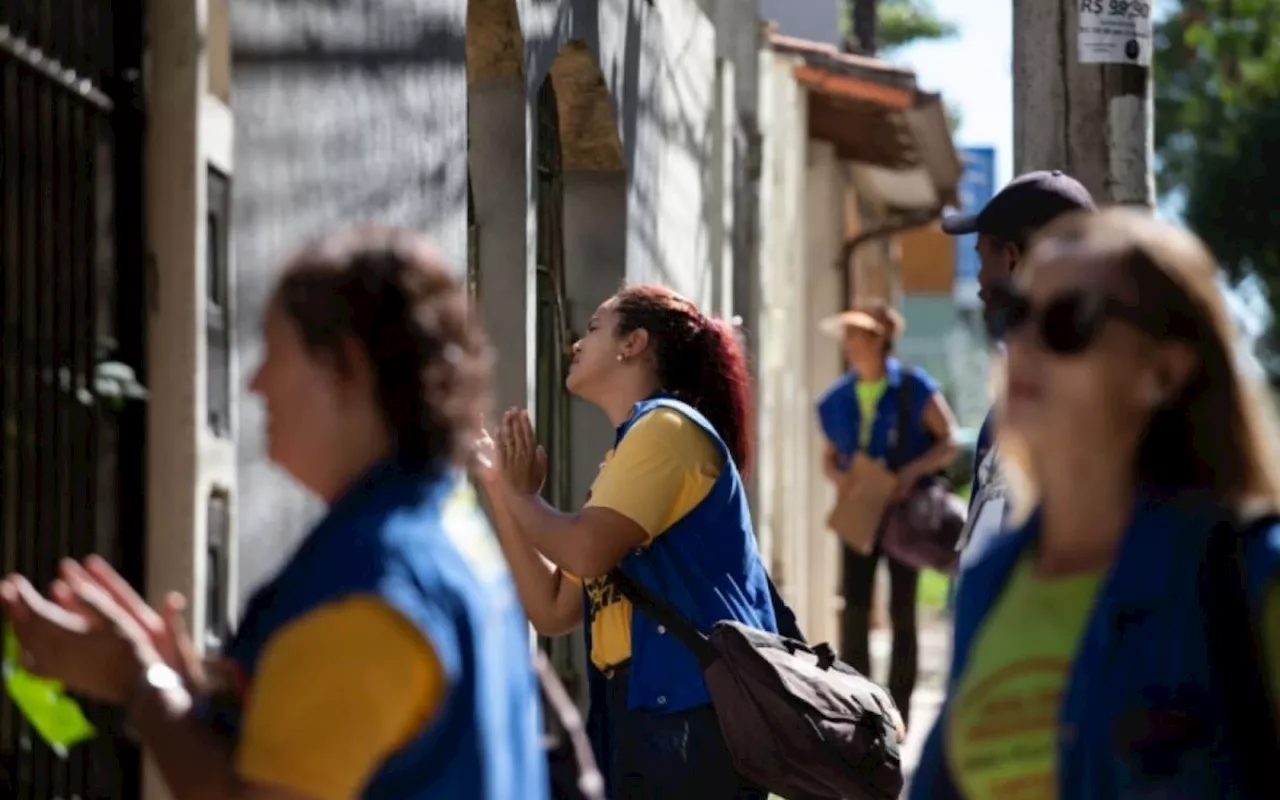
x=700 y=360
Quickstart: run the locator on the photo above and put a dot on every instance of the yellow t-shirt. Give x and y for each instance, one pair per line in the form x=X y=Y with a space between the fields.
x=334 y=695
x=869 y=394
x=663 y=468
x=1002 y=727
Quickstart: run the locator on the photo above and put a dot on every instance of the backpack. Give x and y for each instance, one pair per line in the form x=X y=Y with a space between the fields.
x=797 y=721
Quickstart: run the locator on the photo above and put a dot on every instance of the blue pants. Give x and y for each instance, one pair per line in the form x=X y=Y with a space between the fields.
x=673 y=756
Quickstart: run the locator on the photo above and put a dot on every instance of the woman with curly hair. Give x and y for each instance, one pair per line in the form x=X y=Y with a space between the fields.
x=389 y=657
x=668 y=509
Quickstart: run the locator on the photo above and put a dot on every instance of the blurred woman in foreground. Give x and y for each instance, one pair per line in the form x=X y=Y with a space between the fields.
x=669 y=509
x=1096 y=656
x=389 y=658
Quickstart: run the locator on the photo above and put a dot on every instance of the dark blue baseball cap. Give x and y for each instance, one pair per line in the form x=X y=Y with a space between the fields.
x=1026 y=204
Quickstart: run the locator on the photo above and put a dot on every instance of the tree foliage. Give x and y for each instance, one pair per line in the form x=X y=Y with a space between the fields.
x=1217 y=77
x=902 y=22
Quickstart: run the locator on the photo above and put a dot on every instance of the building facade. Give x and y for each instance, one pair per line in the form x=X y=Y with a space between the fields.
x=855 y=156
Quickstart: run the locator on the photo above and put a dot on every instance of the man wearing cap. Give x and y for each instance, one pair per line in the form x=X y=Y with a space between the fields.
x=1005 y=227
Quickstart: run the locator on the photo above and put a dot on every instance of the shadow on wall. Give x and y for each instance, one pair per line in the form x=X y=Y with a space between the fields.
x=659 y=67
x=343 y=114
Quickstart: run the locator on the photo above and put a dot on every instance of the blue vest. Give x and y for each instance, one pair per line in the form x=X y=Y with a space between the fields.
x=707 y=567
x=420 y=543
x=1143 y=654
x=840 y=415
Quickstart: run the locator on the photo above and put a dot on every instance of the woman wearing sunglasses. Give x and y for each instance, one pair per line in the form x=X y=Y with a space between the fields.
x=1096 y=655
x=389 y=658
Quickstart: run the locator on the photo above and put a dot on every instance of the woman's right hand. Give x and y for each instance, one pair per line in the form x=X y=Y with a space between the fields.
x=165 y=629
x=523 y=461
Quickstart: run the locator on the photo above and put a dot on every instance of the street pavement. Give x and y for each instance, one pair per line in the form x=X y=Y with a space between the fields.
x=935 y=658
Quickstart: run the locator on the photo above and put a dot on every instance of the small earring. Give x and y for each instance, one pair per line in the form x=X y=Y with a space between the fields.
x=1155 y=396
x=621 y=357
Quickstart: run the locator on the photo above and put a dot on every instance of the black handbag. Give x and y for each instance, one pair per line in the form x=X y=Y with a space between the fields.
x=796 y=720
x=922 y=531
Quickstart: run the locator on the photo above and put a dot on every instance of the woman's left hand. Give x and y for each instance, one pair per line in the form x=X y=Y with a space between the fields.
x=98 y=649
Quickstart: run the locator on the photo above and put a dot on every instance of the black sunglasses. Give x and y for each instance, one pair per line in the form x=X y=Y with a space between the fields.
x=1066 y=325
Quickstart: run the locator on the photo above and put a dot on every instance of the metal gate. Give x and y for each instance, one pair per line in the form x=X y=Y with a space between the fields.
x=72 y=338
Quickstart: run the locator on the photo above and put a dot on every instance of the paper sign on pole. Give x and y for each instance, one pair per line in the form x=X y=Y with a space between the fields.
x=1115 y=32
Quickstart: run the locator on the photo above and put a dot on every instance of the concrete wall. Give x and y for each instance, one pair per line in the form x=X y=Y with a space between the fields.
x=816 y=20
x=323 y=139
x=497 y=116
x=595 y=222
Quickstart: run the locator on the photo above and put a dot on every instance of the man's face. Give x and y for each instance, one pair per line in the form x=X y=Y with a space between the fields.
x=998 y=259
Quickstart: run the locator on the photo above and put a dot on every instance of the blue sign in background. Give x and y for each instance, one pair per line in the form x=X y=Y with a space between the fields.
x=977 y=185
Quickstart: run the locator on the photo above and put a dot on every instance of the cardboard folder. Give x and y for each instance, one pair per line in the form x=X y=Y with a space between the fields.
x=864 y=496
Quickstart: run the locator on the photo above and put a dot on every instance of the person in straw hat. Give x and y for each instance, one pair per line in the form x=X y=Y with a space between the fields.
x=859 y=413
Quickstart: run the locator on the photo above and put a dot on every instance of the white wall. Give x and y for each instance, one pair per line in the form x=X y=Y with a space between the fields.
x=824 y=285
x=781 y=520
x=801 y=236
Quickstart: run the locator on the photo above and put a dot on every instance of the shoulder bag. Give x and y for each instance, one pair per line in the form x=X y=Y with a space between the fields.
x=797 y=721
x=923 y=530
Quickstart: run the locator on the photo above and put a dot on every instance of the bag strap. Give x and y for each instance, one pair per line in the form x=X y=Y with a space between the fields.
x=783 y=614
x=657 y=609
x=1237 y=655
x=590 y=780
x=902 y=425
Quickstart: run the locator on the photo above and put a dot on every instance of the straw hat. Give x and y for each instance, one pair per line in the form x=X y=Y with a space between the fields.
x=877 y=318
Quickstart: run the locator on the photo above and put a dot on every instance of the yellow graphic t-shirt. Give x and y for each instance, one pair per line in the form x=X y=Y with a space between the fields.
x=1003 y=723
x=663 y=468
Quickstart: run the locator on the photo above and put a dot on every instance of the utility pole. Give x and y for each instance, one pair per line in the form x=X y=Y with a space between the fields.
x=862 y=27
x=1085 y=110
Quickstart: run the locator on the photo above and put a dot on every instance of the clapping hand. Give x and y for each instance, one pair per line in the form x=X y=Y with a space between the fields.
x=90 y=635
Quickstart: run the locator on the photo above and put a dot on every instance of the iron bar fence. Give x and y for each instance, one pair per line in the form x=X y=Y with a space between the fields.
x=72 y=334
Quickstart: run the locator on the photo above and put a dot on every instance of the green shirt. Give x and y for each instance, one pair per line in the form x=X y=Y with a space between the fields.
x=869 y=394
x=1002 y=729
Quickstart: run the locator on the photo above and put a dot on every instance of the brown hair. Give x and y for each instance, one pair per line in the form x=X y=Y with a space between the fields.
x=389 y=291
x=1217 y=433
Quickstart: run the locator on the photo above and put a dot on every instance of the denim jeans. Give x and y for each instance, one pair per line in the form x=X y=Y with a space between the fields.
x=671 y=756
